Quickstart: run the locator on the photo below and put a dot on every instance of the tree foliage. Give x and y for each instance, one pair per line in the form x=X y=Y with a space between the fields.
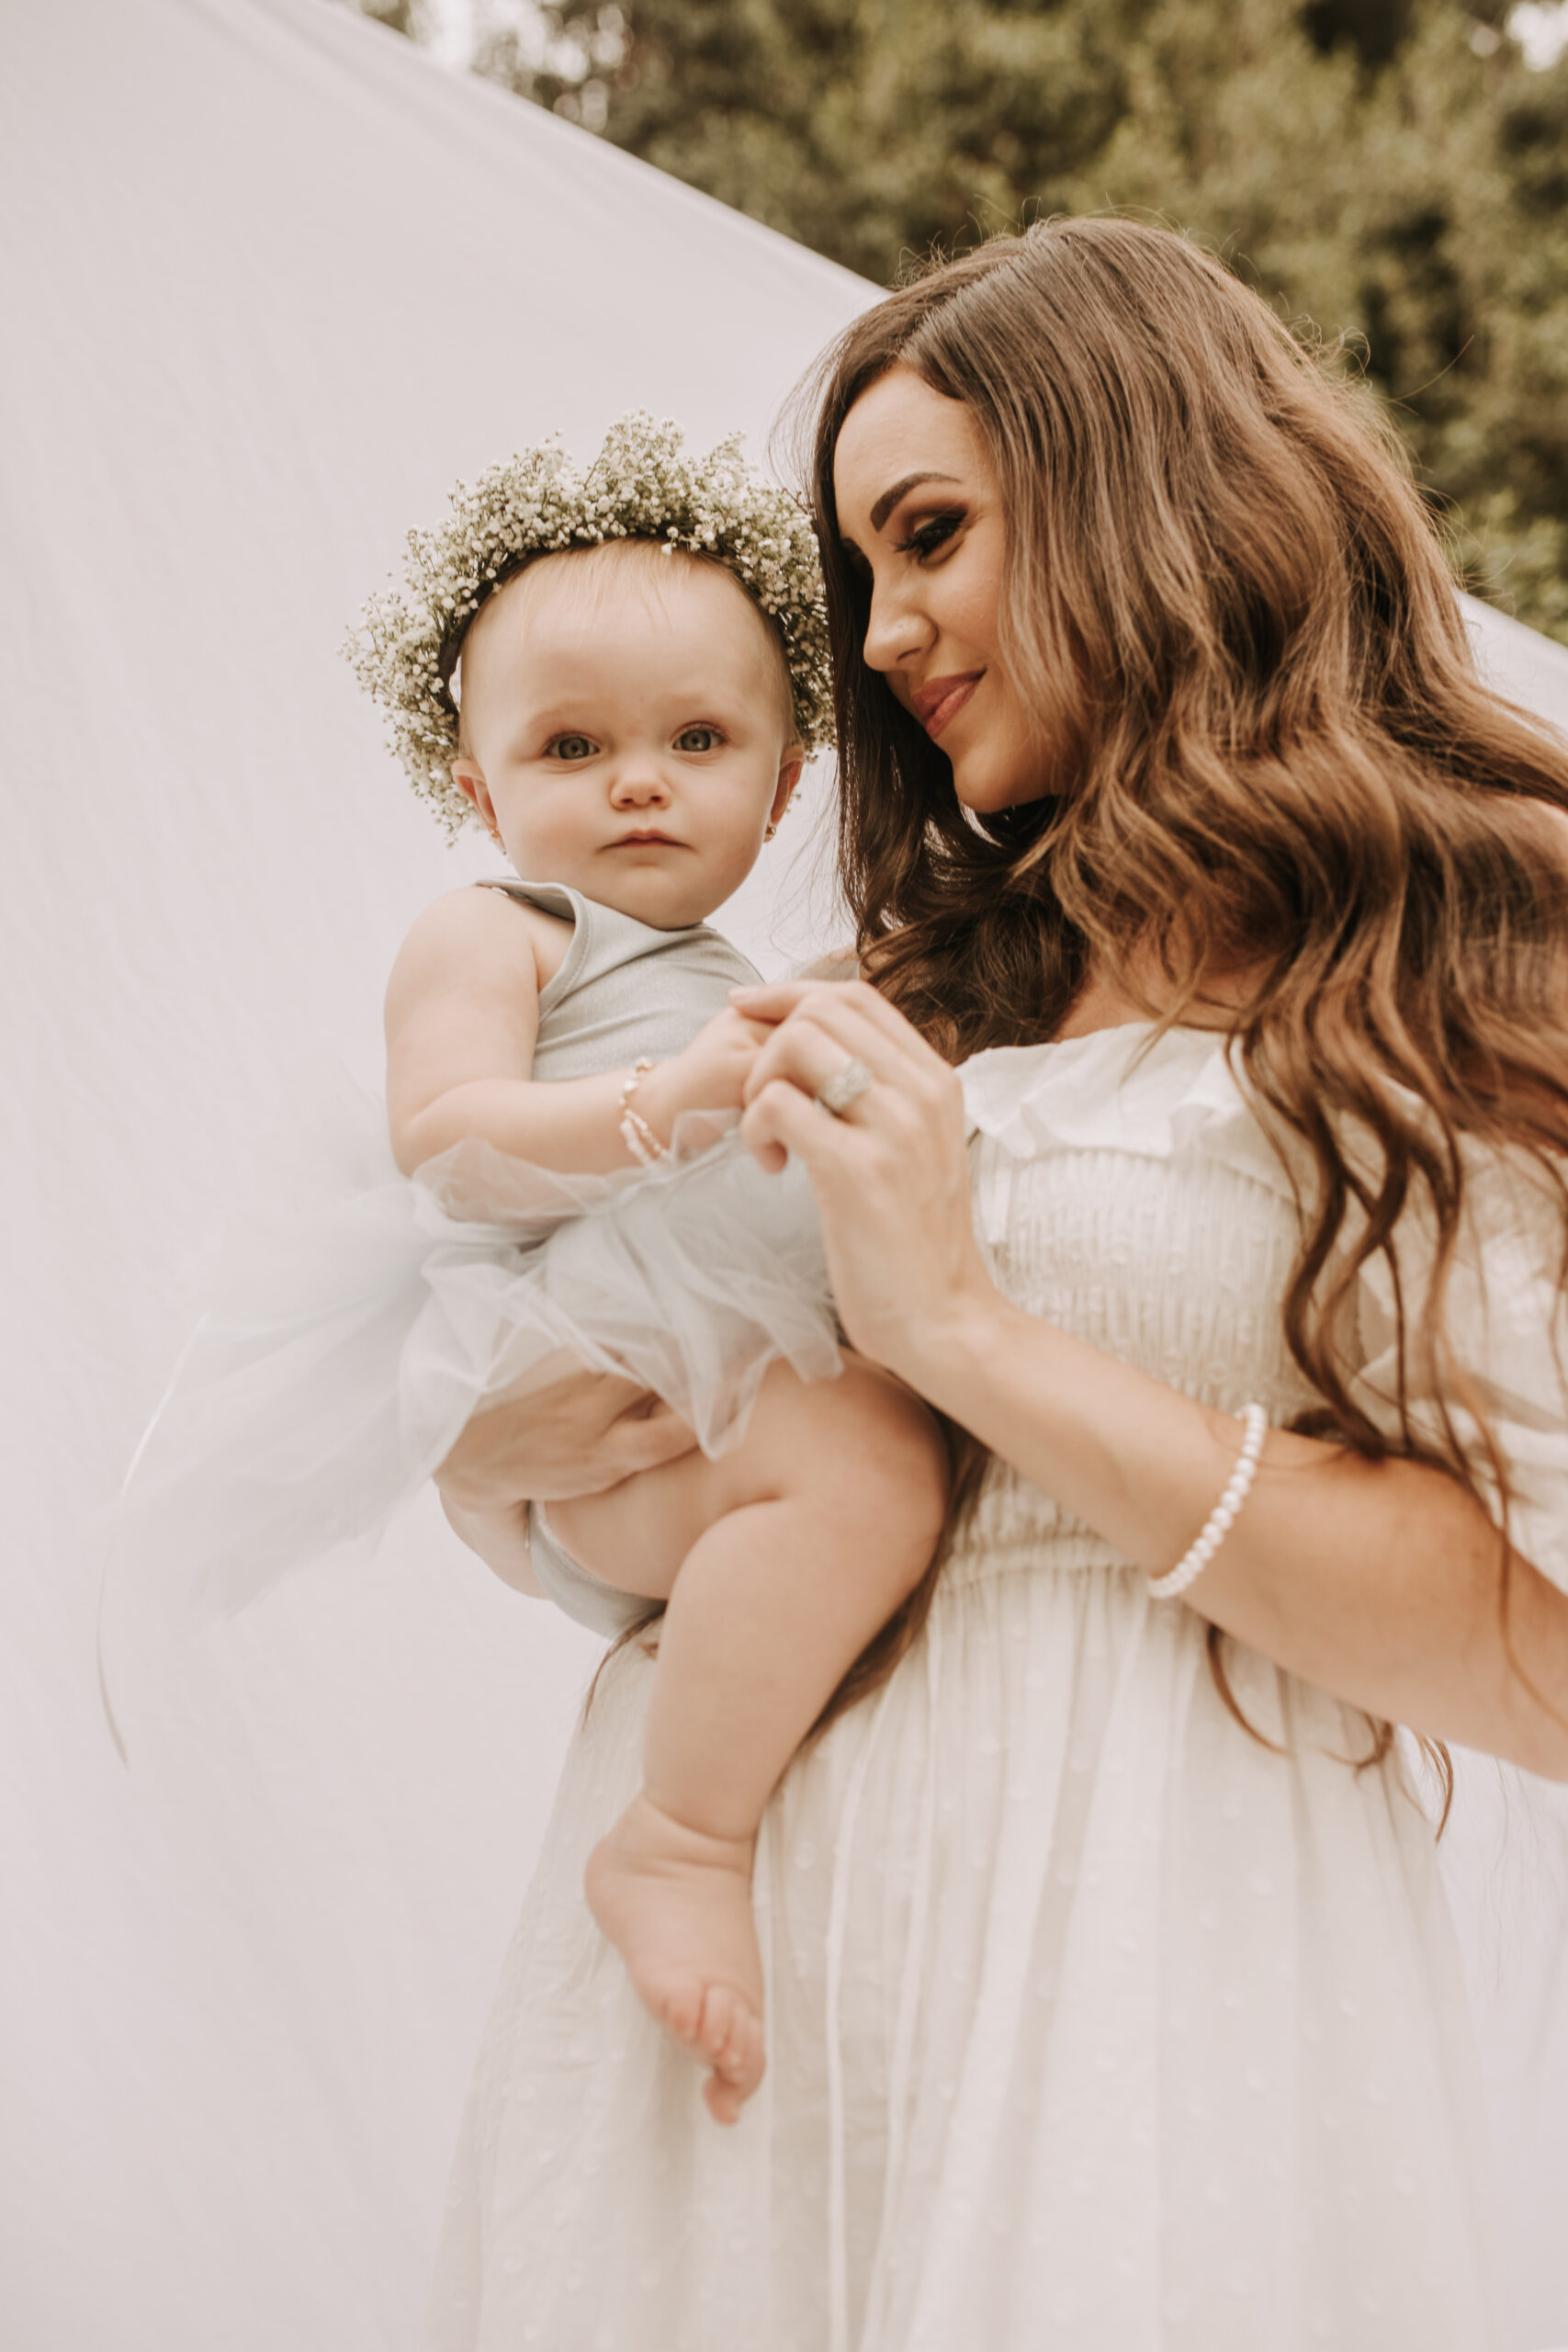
x=1390 y=172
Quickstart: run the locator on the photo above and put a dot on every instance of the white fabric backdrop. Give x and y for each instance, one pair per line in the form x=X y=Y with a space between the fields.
x=271 y=281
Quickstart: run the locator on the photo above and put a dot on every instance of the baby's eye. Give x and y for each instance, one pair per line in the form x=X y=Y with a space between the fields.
x=571 y=747
x=928 y=537
x=698 y=739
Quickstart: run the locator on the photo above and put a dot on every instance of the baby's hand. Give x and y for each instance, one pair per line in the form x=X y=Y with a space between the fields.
x=709 y=1076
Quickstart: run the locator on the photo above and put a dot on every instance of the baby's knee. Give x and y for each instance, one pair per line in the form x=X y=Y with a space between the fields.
x=879 y=1450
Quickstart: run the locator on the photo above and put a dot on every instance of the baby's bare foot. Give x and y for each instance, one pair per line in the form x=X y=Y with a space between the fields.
x=677 y=1905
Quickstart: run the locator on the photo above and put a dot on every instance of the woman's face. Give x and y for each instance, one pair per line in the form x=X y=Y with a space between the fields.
x=920 y=515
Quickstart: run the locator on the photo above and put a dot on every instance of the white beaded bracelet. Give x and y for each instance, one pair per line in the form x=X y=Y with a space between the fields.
x=636 y=1133
x=1221 y=1519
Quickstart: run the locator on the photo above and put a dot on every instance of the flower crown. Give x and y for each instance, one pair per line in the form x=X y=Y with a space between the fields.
x=640 y=486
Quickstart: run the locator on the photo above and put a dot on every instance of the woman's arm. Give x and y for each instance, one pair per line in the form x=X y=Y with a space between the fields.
x=1379 y=1581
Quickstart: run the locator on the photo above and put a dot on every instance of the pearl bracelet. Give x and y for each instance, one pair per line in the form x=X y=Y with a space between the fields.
x=1221 y=1519
x=636 y=1133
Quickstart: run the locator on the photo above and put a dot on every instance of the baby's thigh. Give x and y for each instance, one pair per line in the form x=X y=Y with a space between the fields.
x=636 y=1534
x=860 y=1455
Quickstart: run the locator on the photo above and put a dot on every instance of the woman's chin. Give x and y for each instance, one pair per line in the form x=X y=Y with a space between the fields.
x=986 y=790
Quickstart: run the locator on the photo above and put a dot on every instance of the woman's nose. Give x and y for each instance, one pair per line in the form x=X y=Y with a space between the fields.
x=895 y=635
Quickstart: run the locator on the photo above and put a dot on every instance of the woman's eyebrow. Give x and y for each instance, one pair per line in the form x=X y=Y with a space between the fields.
x=889 y=498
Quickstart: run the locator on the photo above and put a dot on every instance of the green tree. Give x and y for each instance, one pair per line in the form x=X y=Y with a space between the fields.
x=1386 y=171
x=1417 y=205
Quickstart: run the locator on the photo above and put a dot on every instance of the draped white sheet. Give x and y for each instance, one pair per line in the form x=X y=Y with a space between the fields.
x=270 y=282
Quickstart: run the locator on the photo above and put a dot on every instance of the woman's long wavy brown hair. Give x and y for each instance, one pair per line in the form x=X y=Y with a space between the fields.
x=1273 y=757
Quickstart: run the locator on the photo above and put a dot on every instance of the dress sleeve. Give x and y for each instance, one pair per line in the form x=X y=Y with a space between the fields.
x=1507 y=1330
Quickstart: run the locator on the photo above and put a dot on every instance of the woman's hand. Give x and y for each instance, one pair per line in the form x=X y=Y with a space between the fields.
x=1334 y=1563
x=577 y=1437
x=710 y=1075
x=891 y=1174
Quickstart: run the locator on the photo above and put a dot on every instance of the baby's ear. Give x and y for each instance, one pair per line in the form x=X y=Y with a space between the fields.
x=790 y=767
x=468 y=777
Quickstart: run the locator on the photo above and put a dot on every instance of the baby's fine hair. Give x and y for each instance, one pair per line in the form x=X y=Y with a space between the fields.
x=653 y=563
x=642 y=488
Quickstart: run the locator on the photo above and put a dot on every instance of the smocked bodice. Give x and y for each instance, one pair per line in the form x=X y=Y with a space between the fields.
x=1125 y=1194
x=1124 y=1189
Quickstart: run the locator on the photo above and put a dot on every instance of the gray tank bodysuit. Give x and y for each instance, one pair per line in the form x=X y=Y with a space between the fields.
x=623 y=990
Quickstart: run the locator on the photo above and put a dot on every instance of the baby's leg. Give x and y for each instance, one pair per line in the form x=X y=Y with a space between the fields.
x=782 y=1560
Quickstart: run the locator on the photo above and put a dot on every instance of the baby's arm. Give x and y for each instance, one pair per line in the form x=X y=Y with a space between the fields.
x=462 y=1018
x=462 y=1021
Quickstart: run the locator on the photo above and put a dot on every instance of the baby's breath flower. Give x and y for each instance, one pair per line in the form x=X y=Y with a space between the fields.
x=642 y=485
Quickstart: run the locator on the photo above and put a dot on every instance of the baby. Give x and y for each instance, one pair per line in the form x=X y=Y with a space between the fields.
x=642 y=668
x=628 y=736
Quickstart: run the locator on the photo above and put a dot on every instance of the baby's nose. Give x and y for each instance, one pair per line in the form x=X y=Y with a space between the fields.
x=639 y=783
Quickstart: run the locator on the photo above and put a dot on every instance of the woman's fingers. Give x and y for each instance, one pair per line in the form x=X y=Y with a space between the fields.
x=771 y=1000
x=583 y=1433
x=807 y=1057
x=890 y=1171
x=827 y=1000
x=891 y=1182
x=783 y=1118
x=853 y=1011
x=818 y=1042
x=646 y=1434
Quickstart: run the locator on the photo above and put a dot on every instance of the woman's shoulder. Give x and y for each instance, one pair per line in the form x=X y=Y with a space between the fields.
x=837 y=963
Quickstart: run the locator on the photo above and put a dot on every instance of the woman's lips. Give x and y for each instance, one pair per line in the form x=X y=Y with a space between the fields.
x=939 y=702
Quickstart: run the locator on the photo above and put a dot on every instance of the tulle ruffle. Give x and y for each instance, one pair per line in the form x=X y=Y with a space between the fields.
x=360 y=1319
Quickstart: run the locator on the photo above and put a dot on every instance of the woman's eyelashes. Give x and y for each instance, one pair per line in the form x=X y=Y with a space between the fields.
x=925 y=538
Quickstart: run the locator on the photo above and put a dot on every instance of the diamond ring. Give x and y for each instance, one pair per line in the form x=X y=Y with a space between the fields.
x=847 y=1085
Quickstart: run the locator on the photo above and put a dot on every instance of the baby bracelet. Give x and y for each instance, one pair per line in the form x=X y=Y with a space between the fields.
x=1221 y=1519
x=636 y=1133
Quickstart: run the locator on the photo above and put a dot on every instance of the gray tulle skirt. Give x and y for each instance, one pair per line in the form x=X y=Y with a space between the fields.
x=360 y=1319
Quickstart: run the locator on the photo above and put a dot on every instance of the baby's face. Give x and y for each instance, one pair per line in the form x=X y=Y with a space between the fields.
x=626 y=724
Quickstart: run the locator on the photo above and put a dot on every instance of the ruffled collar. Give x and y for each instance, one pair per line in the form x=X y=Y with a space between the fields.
x=1159 y=1095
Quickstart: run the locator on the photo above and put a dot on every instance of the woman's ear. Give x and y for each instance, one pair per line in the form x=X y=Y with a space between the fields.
x=790 y=767
x=469 y=779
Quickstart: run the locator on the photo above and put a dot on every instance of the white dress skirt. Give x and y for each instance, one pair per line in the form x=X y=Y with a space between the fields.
x=1094 y=2023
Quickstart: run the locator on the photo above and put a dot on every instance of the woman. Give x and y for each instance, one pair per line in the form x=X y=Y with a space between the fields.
x=1112 y=2000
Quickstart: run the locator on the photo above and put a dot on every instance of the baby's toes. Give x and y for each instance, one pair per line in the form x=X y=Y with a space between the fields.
x=731 y=2041
x=722 y=2033
x=722 y=2103
x=682 y=2008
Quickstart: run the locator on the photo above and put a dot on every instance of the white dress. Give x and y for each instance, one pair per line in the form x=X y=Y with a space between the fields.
x=1094 y=2024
